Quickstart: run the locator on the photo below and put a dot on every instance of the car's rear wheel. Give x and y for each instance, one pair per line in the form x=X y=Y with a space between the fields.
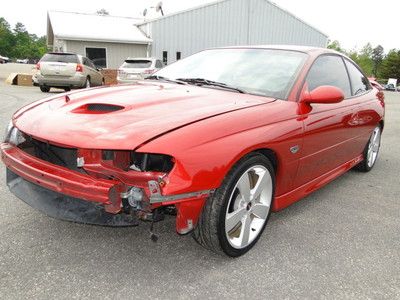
x=235 y=216
x=45 y=89
x=67 y=89
x=87 y=83
x=371 y=151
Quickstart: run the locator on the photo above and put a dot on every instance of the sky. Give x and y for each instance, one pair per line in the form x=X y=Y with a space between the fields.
x=352 y=22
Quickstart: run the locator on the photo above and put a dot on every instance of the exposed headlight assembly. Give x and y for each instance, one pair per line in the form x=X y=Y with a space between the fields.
x=13 y=135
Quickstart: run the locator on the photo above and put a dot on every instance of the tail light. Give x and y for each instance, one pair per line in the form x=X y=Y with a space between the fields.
x=79 y=68
x=148 y=71
x=38 y=66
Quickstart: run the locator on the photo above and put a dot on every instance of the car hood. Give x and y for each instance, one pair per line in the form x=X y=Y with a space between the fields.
x=126 y=117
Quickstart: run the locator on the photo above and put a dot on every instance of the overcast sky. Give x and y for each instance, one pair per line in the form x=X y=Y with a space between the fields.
x=352 y=22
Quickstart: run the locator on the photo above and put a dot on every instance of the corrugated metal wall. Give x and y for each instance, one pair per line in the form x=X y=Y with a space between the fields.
x=229 y=23
x=116 y=53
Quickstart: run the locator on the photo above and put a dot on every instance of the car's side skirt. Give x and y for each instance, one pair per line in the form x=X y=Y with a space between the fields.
x=289 y=198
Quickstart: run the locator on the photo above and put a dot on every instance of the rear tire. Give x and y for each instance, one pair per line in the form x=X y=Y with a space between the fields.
x=228 y=212
x=45 y=89
x=87 y=83
x=371 y=151
x=67 y=89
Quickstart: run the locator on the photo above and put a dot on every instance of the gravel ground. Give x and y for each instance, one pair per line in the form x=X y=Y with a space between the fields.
x=342 y=242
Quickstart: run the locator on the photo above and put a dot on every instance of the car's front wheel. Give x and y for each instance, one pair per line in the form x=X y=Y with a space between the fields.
x=235 y=216
x=45 y=89
x=371 y=151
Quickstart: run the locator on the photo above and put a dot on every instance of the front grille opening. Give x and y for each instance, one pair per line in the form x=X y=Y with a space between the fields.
x=64 y=157
x=142 y=162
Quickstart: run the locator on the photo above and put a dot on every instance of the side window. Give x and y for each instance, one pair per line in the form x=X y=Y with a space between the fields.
x=159 y=64
x=85 y=61
x=329 y=70
x=91 y=64
x=359 y=83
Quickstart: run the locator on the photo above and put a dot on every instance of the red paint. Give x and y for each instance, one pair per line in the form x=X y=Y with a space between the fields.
x=206 y=131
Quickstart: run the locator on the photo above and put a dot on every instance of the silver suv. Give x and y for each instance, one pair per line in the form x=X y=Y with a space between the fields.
x=66 y=71
x=134 y=69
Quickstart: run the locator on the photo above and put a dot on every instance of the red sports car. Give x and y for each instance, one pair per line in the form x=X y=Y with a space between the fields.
x=220 y=139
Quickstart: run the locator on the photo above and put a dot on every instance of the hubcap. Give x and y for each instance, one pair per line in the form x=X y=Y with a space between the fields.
x=373 y=147
x=248 y=206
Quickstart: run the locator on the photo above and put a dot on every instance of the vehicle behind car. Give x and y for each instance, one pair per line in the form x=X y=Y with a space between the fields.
x=134 y=69
x=66 y=71
x=4 y=59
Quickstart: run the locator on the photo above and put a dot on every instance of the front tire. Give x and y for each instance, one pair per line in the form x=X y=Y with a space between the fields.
x=235 y=216
x=371 y=151
x=45 y=89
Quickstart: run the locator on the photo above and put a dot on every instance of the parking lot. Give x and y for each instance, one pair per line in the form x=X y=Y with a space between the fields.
x=341 y=242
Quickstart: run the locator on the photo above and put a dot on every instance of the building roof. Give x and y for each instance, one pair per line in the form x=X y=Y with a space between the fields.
x=96 y=28
x=217 y=1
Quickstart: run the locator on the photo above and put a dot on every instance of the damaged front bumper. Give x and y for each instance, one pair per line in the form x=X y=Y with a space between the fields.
x=88 y=198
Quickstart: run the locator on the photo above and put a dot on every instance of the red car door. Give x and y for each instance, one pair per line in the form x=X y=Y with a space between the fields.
x=329 y=129
x=368 y=106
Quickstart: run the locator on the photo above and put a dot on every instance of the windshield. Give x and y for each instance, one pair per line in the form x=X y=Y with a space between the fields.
x=60 y=57
x=137 y=64
x=267 y=72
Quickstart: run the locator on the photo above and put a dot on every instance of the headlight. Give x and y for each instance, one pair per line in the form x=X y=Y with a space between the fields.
x=8 y=131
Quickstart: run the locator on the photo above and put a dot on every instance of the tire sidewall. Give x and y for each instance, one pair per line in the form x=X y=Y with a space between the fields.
x=229 y=183
x=367 y=167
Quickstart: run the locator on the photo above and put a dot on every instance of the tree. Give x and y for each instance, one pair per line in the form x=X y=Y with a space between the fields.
x=390 y=67
x=18 y=43
x=363 y=58
x=377 y=57
x=334 y=45
x=102 y=12
x=6 y=37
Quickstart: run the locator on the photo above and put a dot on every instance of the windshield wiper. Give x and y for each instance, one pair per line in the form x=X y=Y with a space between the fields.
x=162 y=78
x=202 y=81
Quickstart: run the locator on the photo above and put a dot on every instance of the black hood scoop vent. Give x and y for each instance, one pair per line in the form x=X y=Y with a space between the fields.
x=97 y=108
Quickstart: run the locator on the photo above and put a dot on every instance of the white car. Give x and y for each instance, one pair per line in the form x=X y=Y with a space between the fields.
x=23 y=61
x=134 y=69
x=4 y=59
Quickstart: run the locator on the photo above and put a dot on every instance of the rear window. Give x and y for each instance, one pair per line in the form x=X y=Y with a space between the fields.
x=60 y=57
x=139 y=64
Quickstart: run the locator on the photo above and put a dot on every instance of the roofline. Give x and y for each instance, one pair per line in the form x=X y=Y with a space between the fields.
x=215 y=2
x=297 y=18
x=93 y=14
x=182 y=11
x=71 y=38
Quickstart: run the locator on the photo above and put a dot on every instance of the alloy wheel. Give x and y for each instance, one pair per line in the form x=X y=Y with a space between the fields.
x=248 y=206
x=373 y=146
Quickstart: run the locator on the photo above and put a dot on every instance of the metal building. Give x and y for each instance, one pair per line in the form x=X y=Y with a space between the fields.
x=109 y=40
x=227 y=23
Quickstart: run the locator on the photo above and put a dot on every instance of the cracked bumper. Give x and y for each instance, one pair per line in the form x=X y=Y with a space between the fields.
x=56 y=178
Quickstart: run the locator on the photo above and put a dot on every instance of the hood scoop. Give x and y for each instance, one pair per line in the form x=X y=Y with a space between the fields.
x=97 y=108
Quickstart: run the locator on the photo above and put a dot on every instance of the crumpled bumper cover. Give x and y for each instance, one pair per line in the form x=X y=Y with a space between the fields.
x=64 y=207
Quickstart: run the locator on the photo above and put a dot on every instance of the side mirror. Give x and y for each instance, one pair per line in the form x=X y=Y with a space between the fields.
x=324 y=94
